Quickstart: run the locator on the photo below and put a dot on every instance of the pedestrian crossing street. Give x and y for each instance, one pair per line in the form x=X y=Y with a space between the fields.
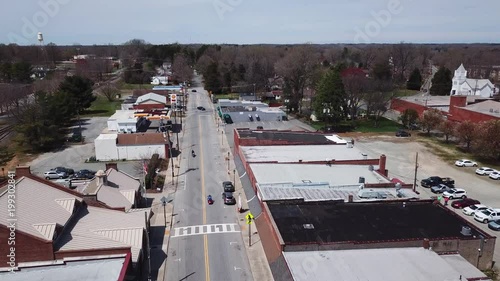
x=205 y=229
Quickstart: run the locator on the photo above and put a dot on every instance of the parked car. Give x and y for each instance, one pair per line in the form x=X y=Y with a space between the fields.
x=228 y=198
x=435 y=180
x=193 y=90
x=464 y=203
x=465 y=163
x=84 y=174
x=455 y=193
x=402 y=133
x=63 y=169
x=484 y=171
x=260 y=128
x=474 y=208
x=487 y=215
x=55 y=175
x=440 y=188
x=495 y=175
x=495 y=225
x=201 y=108
x=228 y=186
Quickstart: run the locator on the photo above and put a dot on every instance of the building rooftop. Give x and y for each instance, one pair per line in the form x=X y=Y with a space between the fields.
x=107 y=137
x=40 y=208
x=293 y=137
x=98 y=269
x=329 y=222
x=334 y=175
x=141 y=139
x=99 y=228
x=435 y=101
x=294 y=153
x=123 y=115
x=323 y=192
x=231 y=103
x=488 y=107
x=409 y=264
x=151 y=96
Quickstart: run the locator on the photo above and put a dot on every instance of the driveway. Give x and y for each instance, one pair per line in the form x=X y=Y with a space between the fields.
x=401 y=155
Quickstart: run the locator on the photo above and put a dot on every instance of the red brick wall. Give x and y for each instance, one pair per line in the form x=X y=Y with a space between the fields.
x=94 y=252
x=459 y=114
x=268 y=236
x=27 y=248
x=401 y=105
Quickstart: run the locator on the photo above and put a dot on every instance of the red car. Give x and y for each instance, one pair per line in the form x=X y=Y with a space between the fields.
x=462 y=203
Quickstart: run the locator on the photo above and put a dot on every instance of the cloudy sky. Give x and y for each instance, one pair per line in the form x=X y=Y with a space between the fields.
x=67 y=22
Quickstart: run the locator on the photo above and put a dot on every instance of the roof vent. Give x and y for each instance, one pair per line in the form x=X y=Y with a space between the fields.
x=361 y=180
x=370 y=168
x=308 y=226
x=497 y=111
x=466 y=231
x=491 y=109
x=306 y=181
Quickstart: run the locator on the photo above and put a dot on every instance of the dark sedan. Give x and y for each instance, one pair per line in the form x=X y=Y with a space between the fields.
x=228 y=186
x=402 y=133
x=495 y=225
x=228 y=198
x=201 y=108
x=466 y=202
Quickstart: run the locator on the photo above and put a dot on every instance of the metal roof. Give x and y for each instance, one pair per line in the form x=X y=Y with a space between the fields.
x=334 y=175
x=99 y=228
x=81 y=270
x=39 y=207
x=151 y=96
x=409 y=264
x=294 y=153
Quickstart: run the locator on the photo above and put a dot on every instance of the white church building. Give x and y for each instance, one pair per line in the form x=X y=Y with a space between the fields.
x=471 y=87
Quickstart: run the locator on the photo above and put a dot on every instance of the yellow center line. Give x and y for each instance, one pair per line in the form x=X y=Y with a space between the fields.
x=204 y=206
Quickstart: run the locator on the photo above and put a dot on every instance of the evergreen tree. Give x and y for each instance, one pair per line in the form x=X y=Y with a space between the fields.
x=382 y=71
x=330 y=94
x=441 y=83
x=415 y=80
x=81 y=92
x=212 y=78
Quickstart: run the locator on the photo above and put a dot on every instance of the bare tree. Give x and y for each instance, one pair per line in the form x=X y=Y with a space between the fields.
x=466 y=133
x=355 y=86
x=181 y=69
x=403 y=55
x=431 y=119
x=448 y=128
x=488 y=144
x=109 y=91
x=296 y=68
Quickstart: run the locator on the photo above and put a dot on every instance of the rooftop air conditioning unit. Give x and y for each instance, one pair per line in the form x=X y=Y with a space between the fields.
x=466 y=231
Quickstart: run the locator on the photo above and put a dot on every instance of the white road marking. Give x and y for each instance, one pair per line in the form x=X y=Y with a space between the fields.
x=243 y=175
x=251 y=199
x=205 y=229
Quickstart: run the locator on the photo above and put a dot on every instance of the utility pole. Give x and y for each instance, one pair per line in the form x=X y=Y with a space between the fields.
x=415 y=178
x=170 y=152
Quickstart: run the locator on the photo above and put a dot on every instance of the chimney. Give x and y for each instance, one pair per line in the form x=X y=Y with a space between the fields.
x=101 y=177
x=350 y=198
x=427 y=244
x=22 y=171
x=381 y=164
x=111 y=165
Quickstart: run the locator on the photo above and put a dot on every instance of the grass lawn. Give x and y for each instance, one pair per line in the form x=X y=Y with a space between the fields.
x=102 y=107
x=405 y=92
x=228 y=96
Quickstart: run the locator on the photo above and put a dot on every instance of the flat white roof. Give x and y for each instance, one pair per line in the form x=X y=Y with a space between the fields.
x=334 y=175
x=107 y=137
x=409 y=264
x=123 y=114
x=294 y=153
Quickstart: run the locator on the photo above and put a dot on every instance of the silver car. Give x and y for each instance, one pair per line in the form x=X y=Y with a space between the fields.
x=55 y=175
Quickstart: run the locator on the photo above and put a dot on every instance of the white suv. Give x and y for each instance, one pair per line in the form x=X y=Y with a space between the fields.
x=484 y=171
x=465 y=163
x=54 y=175
x=455 y=193
x=474 y=208
x=495 y=175
x=487 y=215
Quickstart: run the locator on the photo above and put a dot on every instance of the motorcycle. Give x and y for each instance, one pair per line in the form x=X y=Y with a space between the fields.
x=210 y=200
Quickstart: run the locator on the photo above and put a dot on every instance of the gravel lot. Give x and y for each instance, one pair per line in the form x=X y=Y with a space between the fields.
x=74 y=156
x=401 y=164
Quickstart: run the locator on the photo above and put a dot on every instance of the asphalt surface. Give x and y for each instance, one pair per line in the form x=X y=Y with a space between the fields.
x=219 y=255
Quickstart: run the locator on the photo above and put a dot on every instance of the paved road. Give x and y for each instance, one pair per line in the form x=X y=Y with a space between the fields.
x=205 y=241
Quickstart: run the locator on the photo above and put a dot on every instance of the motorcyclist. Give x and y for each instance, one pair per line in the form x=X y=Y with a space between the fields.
x=209 y=197
x=192 y=153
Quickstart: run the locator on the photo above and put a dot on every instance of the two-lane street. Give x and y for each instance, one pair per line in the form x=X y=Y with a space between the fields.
x=205 y=240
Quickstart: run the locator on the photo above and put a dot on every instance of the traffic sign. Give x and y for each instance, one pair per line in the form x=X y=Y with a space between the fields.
x=249 y=218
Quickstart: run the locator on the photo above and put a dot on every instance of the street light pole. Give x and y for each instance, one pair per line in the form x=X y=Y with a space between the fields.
x=170 y=152
x=234 y=177
x=228 y=162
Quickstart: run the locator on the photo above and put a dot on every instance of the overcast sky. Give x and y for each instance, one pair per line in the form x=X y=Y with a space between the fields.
x=67 y=22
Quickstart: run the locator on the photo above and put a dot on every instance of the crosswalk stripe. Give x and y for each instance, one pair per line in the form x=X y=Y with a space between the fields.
x=205 y=229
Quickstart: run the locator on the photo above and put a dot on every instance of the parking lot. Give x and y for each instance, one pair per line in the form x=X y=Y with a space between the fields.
x=74 y=155
x=401 y=164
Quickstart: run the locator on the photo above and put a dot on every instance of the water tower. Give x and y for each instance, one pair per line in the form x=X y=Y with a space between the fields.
x=40 y=39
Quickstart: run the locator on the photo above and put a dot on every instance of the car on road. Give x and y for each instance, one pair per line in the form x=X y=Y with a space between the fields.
x=440 y=188
x=465 y=163
x=201 y=108
x=228 y=198
x=455 y=193
x=228 y=186
x=260 y=128
x=63 y=169
x=487 y=215
x=55 y=175
x=495 y=175
x=469 y=211
x=464 y=203
x=484 y=171
x=435 y=180
x=495 y=225
x=403 y=133
x=193 y=90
